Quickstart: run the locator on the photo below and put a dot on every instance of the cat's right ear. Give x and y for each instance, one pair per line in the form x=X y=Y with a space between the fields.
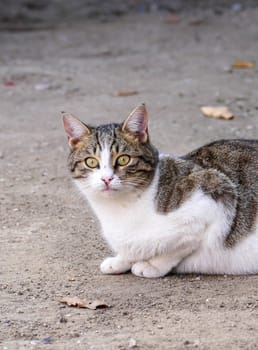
x=74 y=129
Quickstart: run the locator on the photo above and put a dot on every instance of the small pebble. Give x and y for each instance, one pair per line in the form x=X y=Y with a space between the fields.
x=42 y=86
x=47 y=340
x=132 y=343
x=236 y=7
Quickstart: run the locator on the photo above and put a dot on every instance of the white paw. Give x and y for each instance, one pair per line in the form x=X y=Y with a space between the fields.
x=114 y=265
x=145 y=269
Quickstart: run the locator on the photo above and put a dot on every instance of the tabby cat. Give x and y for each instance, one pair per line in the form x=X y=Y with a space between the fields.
x=195 y=213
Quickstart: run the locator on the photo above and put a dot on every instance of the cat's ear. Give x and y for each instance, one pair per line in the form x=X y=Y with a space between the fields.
x=137 y=123
x=74 y=129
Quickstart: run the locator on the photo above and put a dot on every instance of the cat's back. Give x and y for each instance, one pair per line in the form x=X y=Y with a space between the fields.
x=238 y=159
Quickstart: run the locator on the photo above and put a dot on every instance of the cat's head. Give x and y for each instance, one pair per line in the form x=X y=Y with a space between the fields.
x=114 y=158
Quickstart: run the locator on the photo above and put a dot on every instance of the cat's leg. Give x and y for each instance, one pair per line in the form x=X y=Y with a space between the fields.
x=155 y=267
x=115 y=265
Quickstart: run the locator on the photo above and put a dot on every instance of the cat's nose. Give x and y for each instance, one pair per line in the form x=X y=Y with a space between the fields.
x=107 y=180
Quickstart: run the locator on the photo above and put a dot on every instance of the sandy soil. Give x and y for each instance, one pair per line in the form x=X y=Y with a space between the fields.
x=50 y=244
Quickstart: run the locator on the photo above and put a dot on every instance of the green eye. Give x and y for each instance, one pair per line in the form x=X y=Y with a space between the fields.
x=123 y=160
x=91 y=162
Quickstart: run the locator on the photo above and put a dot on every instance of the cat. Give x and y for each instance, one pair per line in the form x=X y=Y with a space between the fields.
x=159 y=213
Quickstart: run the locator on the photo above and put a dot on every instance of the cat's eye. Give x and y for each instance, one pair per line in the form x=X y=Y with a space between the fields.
x=123 y=160
x=91 y=162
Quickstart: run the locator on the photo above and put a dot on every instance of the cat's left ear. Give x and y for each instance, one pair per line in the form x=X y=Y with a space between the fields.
x=74 y=129
x=136 y=123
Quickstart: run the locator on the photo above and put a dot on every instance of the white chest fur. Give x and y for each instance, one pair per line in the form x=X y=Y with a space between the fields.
x=132 y=226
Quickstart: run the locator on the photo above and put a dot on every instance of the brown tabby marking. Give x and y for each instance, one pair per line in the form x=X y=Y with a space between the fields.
x=238 y=160
x=174 y=186
x=179 y=179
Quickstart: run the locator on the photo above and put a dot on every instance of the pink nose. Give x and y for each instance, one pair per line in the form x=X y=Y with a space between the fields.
x=107 y=180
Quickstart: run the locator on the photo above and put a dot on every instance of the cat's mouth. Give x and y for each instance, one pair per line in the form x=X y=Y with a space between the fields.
x=109 y=189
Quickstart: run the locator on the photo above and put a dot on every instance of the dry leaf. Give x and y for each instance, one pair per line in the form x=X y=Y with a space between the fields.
x=243 y=64
x=97 y=304
x=71 y=279
x=82 y=303
x=221 y=112
x=197 y=21
x=126 y=93
x=172 y=19
x=9 y=83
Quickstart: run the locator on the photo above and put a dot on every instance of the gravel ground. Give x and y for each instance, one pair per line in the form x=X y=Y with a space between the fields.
x=50 y=244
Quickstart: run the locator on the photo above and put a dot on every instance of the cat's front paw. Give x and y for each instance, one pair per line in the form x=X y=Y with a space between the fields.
x=145 y=269
x=114 y=265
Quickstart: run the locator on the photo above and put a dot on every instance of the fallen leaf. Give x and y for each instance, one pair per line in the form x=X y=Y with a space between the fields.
x=82 y=303
x=172 y=19
x=97 y=304
x=221 y=112
x=243 y=64
x=126 y=93
x=9 y=83
x=197 y=21
x=71 y=279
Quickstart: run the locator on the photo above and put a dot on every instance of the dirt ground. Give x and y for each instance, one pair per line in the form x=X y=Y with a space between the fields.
x=50 y=245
